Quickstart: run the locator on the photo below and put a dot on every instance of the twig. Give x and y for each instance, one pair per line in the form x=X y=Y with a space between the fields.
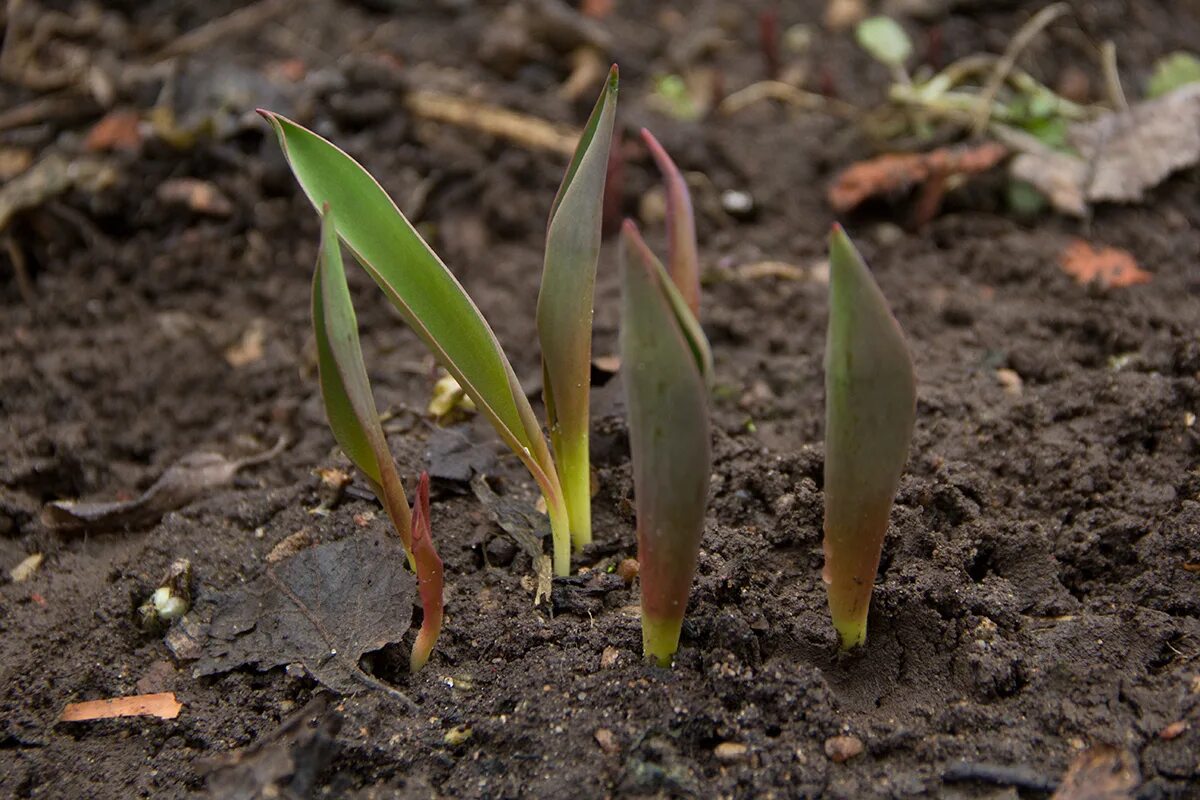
x=523 y=129
x=785 y=92
x=243 y=20
x=1112 y=79
x=1036 y=24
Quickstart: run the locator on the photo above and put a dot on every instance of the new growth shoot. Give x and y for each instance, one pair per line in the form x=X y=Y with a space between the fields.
x=564 y=311
x=870 y=406
x=434 y=304
x=350 y=408
x=666 y=365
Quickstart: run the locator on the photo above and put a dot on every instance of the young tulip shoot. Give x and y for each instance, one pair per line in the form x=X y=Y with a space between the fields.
x=350 y=408
x=870 y=406
x=429 y=576
x=431 y=301
x=564 y=311
x=664 y=369
x=682 y=252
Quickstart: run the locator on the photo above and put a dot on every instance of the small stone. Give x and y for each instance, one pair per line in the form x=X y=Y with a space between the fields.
x=457 y=735
x=731 y=752
x=607 y=741
x=628 y=569
x=1011 y=381
x=1173 y=730
x=609 y=657
x=843 y=748
x=737 y=204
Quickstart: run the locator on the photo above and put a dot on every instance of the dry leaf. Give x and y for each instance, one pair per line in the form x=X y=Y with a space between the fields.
x=1134 y=150
x=14 y=161
x=894 y=172
x=162 y=705
x=116 y=130
x=323 y=608
x=1111 y=267
x=1101 y=772
x=186 y=480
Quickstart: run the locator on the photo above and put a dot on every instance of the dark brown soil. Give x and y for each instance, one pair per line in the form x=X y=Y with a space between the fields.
x=1033 y=598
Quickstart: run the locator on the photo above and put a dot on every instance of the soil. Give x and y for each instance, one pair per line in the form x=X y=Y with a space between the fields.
x=1038 y=592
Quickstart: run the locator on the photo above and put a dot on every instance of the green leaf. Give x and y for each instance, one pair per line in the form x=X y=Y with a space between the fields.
x=1172 y=71
x=885 y=40
x=870 y=406
x=419 y=285
x=633 y=244
x=564 y=311
x=682 y=251
x=667 y=403
x=350 y=408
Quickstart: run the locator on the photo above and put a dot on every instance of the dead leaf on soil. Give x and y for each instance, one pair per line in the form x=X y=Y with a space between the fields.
x=162 y=705
x=1110 y=267
x=323 y=608
x=893 y=172
x=285 y=763
x=526 y=526
x=117 y=130
x=186 y=480
x=50 y=177
x=1101 y=772
x=455 y=454
x=1122 y=154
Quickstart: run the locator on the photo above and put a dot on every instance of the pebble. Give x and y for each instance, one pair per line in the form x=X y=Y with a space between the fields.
x=607 y=741
x=737 y=204
x=731 y=752
x=843 y=748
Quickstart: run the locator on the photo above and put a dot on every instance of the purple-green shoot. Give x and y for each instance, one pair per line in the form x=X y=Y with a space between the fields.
x=431 y=301
x=564 y=311
x=665 y=367
x=350 y=408
x=870 y=407
x=429 y=576
x=683 y=256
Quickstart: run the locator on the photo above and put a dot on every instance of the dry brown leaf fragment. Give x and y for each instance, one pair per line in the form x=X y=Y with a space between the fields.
x=162 y=705
x=1110 y=267
x=893 y=172
x=117 y=130
x=1101 y=772
x=1135 y=150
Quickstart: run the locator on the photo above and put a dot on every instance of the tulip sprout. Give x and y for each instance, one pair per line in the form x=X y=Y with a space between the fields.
x=435 y=305
x=350 y=408
x=870 y=406
x=666 y=364
x=564 y=310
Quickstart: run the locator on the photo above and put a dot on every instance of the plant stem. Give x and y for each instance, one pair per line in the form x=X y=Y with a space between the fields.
x=560 y=532
x=660 y=638
x=575 y=474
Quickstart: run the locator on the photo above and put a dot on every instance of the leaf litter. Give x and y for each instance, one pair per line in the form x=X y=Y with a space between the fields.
x=185 y=481
x=322 y=609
